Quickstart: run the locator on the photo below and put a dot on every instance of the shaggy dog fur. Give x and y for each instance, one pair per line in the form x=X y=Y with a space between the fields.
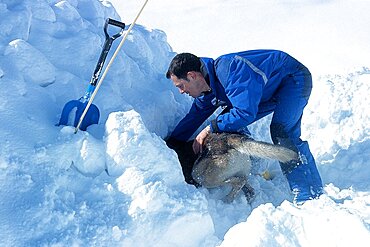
x=226 y=159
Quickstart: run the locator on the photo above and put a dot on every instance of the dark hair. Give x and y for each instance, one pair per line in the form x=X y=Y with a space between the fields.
x=181 y=64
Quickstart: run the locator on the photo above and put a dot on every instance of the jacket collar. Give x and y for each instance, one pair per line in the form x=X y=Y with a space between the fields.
x=208 y=71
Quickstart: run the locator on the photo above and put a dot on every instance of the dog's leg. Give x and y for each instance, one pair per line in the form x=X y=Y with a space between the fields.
x=248 y=191
x=237 y=183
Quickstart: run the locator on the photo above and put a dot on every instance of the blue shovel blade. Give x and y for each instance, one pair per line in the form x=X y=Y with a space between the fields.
x=72 y=112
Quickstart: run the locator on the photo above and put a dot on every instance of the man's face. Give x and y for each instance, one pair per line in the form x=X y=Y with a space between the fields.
x=194 y=86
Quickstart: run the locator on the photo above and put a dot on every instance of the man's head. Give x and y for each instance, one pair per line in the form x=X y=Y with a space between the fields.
x=184 y=71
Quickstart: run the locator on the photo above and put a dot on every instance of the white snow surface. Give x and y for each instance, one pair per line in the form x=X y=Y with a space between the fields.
x=117 y=184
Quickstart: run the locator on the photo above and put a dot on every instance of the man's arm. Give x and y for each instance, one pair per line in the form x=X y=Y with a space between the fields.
x=199 y=141
x=200 y=110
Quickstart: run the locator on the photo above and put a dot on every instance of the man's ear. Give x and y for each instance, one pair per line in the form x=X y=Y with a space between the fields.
x=191 y=75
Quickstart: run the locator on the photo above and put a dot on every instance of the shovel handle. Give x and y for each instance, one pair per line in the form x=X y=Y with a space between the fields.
x=116 y=23
x=107 y=45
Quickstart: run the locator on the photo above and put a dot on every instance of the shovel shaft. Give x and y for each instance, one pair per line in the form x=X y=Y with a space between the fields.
x=107 y=45
x=100 y=64
x=107 y=68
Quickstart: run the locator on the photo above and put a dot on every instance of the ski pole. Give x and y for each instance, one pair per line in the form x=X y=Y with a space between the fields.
x=107 y=68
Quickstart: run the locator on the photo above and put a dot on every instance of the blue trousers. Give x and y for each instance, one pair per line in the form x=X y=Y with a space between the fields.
x=287 y=105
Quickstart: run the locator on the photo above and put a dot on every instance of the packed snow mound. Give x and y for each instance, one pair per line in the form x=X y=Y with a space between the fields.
x=337 y=123
x=117 y=184
x=321 y=222
x=49 y=51
x=339 y=104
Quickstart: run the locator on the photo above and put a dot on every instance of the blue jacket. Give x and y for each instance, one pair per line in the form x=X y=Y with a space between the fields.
x=243 y=81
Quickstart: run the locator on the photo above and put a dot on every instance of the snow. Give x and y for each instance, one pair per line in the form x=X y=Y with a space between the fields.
x=117 y=184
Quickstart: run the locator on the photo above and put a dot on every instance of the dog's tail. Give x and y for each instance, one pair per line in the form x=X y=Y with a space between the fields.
x=267 y=151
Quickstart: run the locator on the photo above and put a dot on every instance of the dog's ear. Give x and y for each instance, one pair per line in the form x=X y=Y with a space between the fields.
x=217 y=144
x=234 y=140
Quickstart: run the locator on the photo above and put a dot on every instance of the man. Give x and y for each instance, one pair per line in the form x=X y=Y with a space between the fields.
x=249 y=85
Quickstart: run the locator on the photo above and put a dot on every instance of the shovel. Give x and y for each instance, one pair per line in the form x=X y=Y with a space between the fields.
x=73 y=110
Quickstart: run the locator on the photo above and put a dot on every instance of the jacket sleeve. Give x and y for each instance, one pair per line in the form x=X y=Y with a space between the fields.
x=200 y=110
x=243 y=88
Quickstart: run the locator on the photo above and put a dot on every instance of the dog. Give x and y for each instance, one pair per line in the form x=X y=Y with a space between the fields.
x=227 y=159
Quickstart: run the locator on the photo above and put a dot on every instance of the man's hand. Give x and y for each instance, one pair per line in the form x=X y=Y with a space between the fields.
x=201 y=139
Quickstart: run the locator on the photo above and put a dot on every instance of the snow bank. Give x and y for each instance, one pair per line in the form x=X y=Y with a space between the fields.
x=339 y=111
x=56 y=182
x=161 y=207
x=337 y=124
x=318 y=223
